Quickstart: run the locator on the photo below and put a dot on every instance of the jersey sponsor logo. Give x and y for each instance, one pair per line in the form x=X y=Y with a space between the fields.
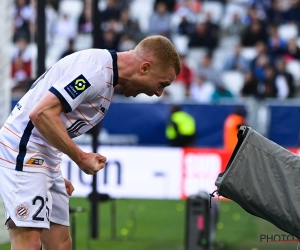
x=35 y=161
x=77 y=86
x=22 y=211
x=74 y=128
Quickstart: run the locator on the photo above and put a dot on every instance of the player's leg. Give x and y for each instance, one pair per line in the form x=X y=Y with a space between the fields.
x=26 y=205
x=24 y=238
x=57 y=238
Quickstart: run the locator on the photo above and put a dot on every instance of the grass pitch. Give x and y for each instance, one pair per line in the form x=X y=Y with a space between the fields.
x=160 y=225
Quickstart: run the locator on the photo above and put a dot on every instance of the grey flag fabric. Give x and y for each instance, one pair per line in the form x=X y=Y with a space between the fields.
x=264 y=179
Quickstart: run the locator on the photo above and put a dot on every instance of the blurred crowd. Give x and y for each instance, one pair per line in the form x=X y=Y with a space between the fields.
x=228 y=48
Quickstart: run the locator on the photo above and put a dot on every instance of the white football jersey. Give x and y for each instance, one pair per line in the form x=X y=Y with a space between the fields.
x=84 y=83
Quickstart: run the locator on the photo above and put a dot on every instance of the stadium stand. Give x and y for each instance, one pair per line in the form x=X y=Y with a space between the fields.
x=223 y=21
x=221 y=14
x=5 y=83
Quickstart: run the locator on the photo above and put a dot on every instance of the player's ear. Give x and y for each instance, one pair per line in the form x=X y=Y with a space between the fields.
x=145 y=67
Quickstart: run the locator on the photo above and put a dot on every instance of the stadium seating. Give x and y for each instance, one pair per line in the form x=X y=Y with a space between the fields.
x=180 y=42
x=287 y=31
x=230 y=9
x=293 y=67
x=83 y=41
x=195 y=55
x=215 y=8
x=233 y=81
x=72 y=8
x=141 y=10
x=249 y=53
x=229 y=42
x=219 y=56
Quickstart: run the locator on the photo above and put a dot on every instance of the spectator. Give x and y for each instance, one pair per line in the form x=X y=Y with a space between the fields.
x=253 y=34
x=250 y=86
x=292 y=51
x=235 y=27
x=212 y=28
x=130 y=26
x=123 y=4
x=21 y=49
x=202 y=37
x=237 y=61
x=114 y=25
x=276 y=45
x=260 y=6
x=21 y=65
x=85 y=21
x=268 y=88
x=160 y=21
x=207 y=70
x=170 y=4
x=220 y=93
x=292 y=15
x=20 y=72
x=186 y=74
x=69 y=50
x=111 y=11
x=181 y=128
x=186 y=25
x=275 y=13
x=251 y=16
x=260 y=61
x=192 y=6
x=22 y=14
x=231 y=127
x=284 y=81
x=65 y=27
x=201 y=90
x=109 y=40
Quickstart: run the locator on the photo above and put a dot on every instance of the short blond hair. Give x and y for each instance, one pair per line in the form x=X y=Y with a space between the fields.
x=163 y=50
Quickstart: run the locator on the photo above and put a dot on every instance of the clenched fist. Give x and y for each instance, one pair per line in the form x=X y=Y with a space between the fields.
x=91 y=163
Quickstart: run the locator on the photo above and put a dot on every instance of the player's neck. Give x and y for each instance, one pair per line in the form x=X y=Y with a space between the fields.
x=126 y=66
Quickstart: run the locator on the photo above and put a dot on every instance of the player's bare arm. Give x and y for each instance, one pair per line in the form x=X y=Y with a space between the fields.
x=46 y=118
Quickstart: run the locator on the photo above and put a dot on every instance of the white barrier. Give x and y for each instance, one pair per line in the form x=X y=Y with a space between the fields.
x=148 y=172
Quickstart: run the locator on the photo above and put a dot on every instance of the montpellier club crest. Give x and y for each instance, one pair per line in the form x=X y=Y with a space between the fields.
x=22 y=211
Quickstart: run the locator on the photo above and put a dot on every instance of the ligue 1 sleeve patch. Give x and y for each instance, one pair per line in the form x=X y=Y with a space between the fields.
x=77 y=86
